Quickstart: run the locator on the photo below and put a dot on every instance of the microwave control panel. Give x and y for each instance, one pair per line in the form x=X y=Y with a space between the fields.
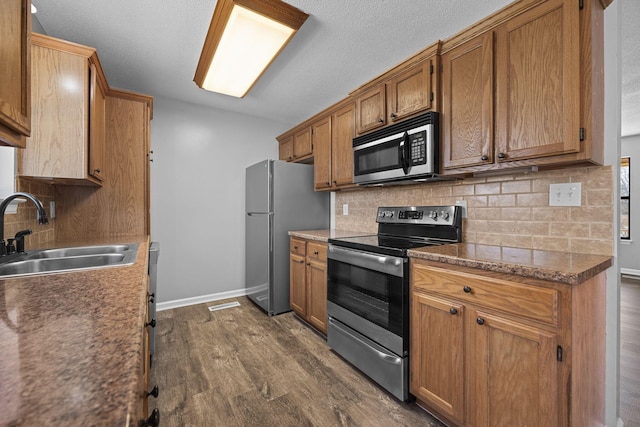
x=418 y=143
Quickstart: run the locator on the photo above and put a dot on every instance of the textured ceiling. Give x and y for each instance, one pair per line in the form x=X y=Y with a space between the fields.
x=630 y=46
x=153 y=47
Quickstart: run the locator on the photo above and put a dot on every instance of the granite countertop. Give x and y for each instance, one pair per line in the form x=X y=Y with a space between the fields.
x=72 y=345
x=570 y=268
x=325 y=235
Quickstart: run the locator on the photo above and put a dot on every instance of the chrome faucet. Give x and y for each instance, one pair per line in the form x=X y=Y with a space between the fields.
x=42 y=218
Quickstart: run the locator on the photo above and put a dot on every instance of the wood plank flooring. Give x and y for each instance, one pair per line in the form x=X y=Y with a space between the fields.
x=630 y=352
x=239 y=367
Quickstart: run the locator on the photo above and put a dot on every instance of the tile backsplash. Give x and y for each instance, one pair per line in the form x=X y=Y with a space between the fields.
x=26 y=216
x=509 y=210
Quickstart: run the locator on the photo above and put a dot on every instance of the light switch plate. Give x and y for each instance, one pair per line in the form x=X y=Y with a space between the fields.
x=569 y=194
x=345 y=209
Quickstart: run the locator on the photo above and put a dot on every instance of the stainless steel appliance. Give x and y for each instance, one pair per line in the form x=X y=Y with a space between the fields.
x=404 y=151
x=279 y=198
x=368 y=290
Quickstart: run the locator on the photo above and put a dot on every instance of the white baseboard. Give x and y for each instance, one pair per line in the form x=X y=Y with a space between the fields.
x=630 y=272
x=199 y=300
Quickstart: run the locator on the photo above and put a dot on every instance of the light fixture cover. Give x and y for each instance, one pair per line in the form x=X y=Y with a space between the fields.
x=244 y=37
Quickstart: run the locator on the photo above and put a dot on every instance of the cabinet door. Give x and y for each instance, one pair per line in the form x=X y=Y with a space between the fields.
x=285 y=149
x=467 y=103
x=371 y=109
x=97 y=127
x=343 y=131
x=15 y=69
x=512 y=373
x=321 y=137
x=437 y=354
x=302 y=143
x=317 y=292
x=410 y=92
x=58 y=142
x=297 y=284
x=538 y=82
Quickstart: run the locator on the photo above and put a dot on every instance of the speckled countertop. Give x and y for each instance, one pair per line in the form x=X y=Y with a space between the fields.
x=325 y=235
x=561 y=267
x=72 y=344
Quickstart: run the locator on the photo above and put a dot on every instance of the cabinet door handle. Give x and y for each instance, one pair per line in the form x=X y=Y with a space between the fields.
x=467 y=289
x=308 y=263
x=484 y=158
x=153 y=392
x=453 y=310
x=480 y=321
x=380 y=121
x=96 y=170
x=501 y=155
x=315 y=252
x=301 y=262
x=393 y=115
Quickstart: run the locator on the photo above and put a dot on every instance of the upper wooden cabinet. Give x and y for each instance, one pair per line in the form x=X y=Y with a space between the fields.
x=15 y=72
x=333 y=146
x=285 y=148
x=68 y=133
x=296 y=145
x=518 y=89
x=403 y=91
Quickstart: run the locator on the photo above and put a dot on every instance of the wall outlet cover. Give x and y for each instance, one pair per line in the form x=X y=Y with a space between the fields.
x=463 y=205
x=568 y=194
x=345 y=209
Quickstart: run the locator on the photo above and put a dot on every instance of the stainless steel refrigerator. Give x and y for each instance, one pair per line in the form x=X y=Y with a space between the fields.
x=279 y=198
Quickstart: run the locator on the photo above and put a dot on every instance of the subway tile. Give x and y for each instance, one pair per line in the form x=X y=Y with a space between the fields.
x=591 y=214
x=598 y=197
x=476 y=201
x=516 y=241
x=485 y=213
x=487 y=188
x=569 y=229
x=532 y=199
x=591 y=246
x=602 y=231
x=488 y=239
x=550 y=213
x=518 y=214
x=516 y=187
x=462 y=190
x=548 y=243
x=502 y=200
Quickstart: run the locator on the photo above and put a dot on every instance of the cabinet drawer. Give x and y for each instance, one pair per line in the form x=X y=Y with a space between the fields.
x=298 y=247
x=317 y=251
x=533 y=302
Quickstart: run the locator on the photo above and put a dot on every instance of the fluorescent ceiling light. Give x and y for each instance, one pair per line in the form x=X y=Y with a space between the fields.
x=244 y=38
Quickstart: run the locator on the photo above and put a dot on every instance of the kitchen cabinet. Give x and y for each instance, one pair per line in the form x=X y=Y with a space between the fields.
x=497 y=349
x=15 y=69
x=296 y=145
x=404 y=91
x=68 y=130
x=518 y=89
x=308 y=282
x=333 y=146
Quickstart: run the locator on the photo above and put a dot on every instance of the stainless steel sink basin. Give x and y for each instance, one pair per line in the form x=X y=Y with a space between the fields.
x=66 y=259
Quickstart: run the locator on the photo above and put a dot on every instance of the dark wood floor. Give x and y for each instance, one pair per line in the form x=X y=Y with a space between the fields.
x=630 y=352
x=239 y=367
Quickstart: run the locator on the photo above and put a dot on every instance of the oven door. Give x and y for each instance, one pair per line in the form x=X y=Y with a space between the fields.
x=369 y=292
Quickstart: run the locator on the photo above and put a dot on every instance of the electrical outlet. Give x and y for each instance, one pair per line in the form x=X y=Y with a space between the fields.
x=463 y=205
x=569 y=194
x=345 y=209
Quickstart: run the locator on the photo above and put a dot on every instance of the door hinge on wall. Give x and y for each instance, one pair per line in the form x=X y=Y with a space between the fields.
x=581 y=4
x=559 y=353
x=581 y=134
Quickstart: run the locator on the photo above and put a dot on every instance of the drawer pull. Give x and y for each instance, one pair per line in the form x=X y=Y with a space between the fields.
x=480 y=321
x=453 y=310
x=315 y=252
x=152 y=323
x=467 y=289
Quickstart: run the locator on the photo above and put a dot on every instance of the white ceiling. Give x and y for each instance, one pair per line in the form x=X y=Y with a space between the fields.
x=153 y=47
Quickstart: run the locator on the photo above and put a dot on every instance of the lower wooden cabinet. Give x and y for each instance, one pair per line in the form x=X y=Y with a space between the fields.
x=308 y=281
x=492 y=349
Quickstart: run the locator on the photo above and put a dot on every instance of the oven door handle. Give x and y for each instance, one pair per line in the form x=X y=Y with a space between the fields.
x=391 y=265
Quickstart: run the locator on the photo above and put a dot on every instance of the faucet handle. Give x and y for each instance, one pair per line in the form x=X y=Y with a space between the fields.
x=11 y=249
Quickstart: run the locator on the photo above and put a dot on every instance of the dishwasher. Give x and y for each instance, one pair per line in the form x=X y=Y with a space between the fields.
x=154 y=253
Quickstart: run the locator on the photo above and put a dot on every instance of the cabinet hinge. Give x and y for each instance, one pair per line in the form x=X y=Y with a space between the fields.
x=431 y=69
x=431 y=99
x=581 y=4
x=581 y=134
x=559 y=353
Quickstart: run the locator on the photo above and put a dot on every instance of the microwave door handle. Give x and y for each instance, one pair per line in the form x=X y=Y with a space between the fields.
x=405 y=153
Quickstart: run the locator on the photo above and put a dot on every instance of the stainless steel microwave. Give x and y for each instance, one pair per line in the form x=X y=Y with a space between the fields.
x=404 y=151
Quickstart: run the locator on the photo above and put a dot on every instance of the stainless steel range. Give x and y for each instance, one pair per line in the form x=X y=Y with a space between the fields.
x=368 y=290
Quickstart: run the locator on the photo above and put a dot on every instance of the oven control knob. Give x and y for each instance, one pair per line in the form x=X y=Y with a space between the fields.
x=386 y=214
x=444 y=214
x=433 y=214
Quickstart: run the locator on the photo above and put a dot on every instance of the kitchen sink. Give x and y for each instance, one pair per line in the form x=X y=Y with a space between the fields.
x=67 y=259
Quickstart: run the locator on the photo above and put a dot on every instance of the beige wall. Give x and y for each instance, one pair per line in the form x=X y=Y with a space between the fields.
x=510 y=210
